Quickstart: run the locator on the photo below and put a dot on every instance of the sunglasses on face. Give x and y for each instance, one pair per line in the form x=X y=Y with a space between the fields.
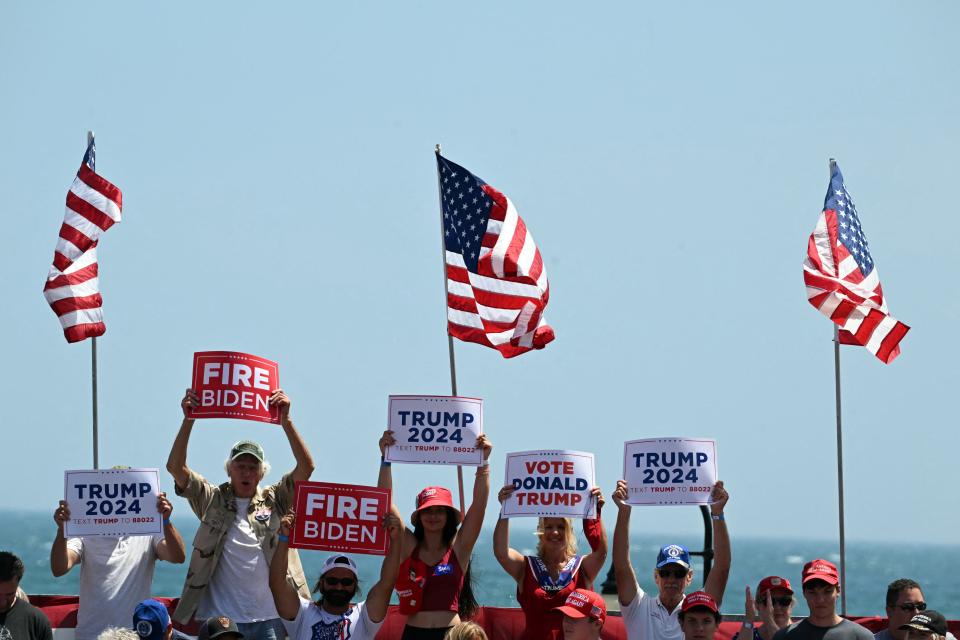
x=672 y=573
x=346 y=582
x=785 y=601
x=913 y=606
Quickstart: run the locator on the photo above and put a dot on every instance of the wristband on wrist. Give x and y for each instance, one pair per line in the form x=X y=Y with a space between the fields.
x=747 y=625
x=485 y=463
x=166 y=522
x=283 y=538
x=384 y=462
x=718 y=516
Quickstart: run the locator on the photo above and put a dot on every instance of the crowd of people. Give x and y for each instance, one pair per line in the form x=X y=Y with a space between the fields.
x=244 y=582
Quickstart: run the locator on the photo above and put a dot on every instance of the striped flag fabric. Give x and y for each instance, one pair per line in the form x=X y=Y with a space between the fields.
x=93 y=206
x=497 y=285
x=842 y=280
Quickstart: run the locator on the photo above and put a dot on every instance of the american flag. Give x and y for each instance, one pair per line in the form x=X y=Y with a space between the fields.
x=93 y=206
x=842 y=280
x=496 y=283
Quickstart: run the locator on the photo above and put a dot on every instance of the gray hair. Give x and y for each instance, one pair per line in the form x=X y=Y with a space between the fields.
x=264 y=468
x=118 y=633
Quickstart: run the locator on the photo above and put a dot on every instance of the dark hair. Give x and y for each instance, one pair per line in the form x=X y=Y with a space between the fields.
x=716 y=616
x=895 y=587
x=468 y=602
x=11 y=567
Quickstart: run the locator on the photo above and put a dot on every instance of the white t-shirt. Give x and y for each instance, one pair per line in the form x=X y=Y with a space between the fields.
x=240 y=585
x=116 y=574
x=313 y=623
x=645 y=618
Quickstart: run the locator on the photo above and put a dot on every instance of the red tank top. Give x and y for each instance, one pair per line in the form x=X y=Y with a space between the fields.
x=441 y=588
x=540 y=594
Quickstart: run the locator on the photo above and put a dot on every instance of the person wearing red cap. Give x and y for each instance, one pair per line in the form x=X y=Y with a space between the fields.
x=821 y=588
x=649 y=618
x=774 y=604
x=584 y=613
x=434 y=584
x=699 y=616
x=546 y=579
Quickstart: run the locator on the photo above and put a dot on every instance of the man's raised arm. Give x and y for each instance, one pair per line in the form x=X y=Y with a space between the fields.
x=626 y=578
x=177 y=461
x=298 y=447
x=716 y=582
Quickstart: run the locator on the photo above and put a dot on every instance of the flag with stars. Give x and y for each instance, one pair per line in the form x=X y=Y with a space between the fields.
x=72 y=286
x=496 y=283
x=842 y=280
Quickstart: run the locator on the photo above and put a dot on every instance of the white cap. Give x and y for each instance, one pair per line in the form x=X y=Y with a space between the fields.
x=339 y=561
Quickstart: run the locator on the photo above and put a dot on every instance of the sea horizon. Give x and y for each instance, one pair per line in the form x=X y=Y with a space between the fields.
x=871 y=565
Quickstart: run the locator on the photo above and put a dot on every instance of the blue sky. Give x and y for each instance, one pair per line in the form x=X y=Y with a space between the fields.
x=669 y=158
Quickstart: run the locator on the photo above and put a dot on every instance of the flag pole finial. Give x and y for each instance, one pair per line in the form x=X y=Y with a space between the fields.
x=89 y=136
x=436 y=149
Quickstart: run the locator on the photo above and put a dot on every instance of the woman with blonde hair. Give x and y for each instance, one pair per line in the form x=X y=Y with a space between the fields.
x=545 y=580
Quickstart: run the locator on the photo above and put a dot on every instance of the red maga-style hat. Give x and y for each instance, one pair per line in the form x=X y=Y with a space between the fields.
x=772 y=582
x=699 y=599
x=582 y=603
x=820 y=569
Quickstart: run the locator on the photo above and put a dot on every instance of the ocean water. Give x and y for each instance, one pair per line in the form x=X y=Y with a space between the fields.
x=870 y=566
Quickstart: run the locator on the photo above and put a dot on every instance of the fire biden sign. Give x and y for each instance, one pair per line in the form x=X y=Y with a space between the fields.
x=235 y=385
x=343 y=518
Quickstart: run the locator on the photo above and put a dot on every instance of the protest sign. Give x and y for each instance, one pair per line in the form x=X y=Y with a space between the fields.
x=112 y=502
x=667 y=471
x=550 y=484
x=234 y=385
x=435 y=430
x=344 y=518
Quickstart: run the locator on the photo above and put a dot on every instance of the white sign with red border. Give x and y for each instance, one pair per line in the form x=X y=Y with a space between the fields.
x=435 y=430
x=112 y=502
x=669 y=471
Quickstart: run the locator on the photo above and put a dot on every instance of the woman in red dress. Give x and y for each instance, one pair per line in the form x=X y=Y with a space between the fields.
x=545 y=580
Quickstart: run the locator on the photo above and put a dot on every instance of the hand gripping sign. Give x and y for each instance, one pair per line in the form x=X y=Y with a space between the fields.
x=667 y=471
x=435 y=430
x=235 y=385
x=112 y=502
x=554 y=484
x=343 y=518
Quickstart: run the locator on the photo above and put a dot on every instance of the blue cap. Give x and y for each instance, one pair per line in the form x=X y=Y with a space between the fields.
x=673 y=554
x=150 y=620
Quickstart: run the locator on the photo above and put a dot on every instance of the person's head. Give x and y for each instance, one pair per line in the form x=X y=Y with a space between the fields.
x=466 y=631
x=699 y=616
x=583 y=615
x=338 y=582
x=904 y=599
x=118 y=633
x=11 y=572
x=926 y=625
x=821 y=588
x=246 y=467
x=151 y=621
x=435 y=513
x=673 y=573
x=557 y=536
x=220 y=627
x=781 y=598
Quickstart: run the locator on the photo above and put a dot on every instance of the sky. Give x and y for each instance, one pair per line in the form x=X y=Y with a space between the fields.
x=670 y=159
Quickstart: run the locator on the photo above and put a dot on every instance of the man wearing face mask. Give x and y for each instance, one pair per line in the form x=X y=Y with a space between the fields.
x=239 y=522
x=334 y=616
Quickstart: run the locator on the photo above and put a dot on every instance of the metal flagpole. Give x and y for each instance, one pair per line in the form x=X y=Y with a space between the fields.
x=836 y=376
x=843 y=546
x=93 y=352
x=453 y=361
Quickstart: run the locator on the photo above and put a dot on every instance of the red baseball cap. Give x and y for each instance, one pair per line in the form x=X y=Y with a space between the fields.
x=584 y=604
x=820 y=569
x=772 y=582
x=434 y=497
x=699 y=599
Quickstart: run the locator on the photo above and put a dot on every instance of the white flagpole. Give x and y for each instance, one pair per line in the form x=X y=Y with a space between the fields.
x=93 y=357
x=836 y=376
x=453 y=362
